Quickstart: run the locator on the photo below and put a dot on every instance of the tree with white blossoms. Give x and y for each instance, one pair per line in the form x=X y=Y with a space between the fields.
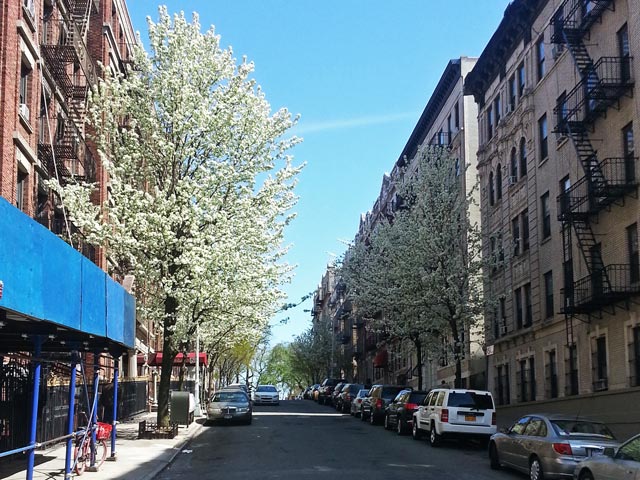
x=419 y=275
x=201 y=188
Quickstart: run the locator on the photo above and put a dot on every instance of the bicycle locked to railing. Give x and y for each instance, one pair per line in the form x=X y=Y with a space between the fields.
x=90 y=446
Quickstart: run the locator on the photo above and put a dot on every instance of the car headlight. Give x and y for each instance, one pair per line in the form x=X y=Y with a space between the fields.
x=242 y=410
x=215 y=410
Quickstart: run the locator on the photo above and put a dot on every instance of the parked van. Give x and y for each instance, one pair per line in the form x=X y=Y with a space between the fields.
x=456 y=412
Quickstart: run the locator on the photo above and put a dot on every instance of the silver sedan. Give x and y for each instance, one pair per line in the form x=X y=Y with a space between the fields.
x=615 y=464
x=229 y=405
x=549 y=446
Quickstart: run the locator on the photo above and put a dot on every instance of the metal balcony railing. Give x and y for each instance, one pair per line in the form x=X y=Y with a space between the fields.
x=603 y=287
x=603 y=84
x=587 y=197
x=576 y=16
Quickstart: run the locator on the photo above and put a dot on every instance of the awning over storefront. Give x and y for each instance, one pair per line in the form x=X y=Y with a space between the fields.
x=381 y=359
x=155 y=359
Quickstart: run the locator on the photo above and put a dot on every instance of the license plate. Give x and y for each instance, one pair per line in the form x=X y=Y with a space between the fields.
x=469 y=418
x=228 y=417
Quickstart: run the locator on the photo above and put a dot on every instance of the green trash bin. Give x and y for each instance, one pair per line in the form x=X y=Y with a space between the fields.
x=182 y=408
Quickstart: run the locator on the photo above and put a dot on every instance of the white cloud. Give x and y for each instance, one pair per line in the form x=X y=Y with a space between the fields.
x=312 y=127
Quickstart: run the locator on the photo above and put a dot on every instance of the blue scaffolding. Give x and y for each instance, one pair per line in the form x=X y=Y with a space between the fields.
x=53 y=299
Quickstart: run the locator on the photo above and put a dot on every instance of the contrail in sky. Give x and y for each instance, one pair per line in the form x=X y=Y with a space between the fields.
x=356 y=122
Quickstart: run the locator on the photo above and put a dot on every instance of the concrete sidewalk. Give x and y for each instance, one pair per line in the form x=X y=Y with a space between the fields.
x=135 y=458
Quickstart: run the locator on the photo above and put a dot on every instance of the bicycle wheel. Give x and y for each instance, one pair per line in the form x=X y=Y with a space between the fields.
x=101 y=452
x=81 y=455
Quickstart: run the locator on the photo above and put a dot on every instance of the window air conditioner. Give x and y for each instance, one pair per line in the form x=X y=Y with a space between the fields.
x=24 y=111
x=503 y=329
x=513 y=180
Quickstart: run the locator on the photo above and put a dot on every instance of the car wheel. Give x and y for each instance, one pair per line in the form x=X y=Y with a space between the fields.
x=535 y=469
x=416 y=433
x=372 y=418
x=386 y=423
x=586 y=475
x=399 y=426
x=494 y=460
x=362 y=417
x=434 y=437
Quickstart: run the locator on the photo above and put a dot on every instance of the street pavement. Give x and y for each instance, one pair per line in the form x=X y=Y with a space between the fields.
x=138 y=459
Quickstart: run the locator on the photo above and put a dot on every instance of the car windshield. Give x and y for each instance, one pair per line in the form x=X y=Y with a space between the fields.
x=363 y=393
x=480 y=401
x=238 y=397
x=266 y=388
x=417 y=397
x=567 y=428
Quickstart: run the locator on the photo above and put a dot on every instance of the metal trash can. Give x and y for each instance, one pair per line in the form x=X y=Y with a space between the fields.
x=182 y=408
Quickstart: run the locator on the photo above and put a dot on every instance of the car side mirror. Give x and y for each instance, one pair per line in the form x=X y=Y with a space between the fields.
x=609 y=452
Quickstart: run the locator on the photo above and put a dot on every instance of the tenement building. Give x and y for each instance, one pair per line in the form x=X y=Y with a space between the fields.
x=52 y=52
x=449 y=121
x=557 y=111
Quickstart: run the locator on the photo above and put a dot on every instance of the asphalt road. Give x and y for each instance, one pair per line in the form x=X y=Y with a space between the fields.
x=304 y=440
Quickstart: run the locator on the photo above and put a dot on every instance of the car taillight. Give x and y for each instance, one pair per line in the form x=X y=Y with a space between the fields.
x=444 y=415
x=348 y=397
x=563 y=448
x=411 y=406
x=493 y=419
x=379 y=403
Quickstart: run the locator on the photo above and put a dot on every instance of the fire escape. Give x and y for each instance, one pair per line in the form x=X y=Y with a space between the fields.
x=67 y=59
x=606 y=182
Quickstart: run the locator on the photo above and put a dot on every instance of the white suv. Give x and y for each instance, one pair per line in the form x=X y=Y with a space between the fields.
x=455 y=413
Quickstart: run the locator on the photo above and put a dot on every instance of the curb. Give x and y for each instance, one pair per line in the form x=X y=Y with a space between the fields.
x=178 y=449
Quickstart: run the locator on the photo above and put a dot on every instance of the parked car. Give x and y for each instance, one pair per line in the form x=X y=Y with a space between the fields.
x=347 y=394
x=549 y=445
x=447 y=413
x=307 y=394
x=313 y=394
x=229 y=405
x=333 y=399
x=356 y=403
x=326 y=389
x=399 y=413
x=266 y=395
x=373 y=409
x=614 y=463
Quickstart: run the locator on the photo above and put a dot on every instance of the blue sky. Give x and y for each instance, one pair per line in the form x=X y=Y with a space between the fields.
x=359 y=73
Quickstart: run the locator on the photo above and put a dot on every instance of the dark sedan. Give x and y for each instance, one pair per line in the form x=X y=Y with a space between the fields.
x=399 y=413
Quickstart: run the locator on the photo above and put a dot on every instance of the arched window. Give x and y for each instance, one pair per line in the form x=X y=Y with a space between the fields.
x=523 y=157
x=492 y=198
x=514 y=166
x=499 y=182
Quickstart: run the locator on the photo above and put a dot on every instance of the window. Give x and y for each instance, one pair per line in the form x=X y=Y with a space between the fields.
x=628 y=149
x=523 y=381
x=599 y=365
x=502 y=385
x=21 y=189
x=548 y=294
x=514 y=166
x=522 y=80
x=25 y=72
x=512 y=94
x=497 y=108
x=532 y=379
x=565 y=186
x=489 y=123
x=515 y=234
x=634 y=255
x=492 y=199
x=562 y=113
x=528 y=312
x=634 y=356
x=527 y=379
x=523 y=157
x=456 y=114
x=567 y=268
x=449 y=125
x=525 y=230
x=552 y=375
x=499 y=182
x=500 y=248
x=572 y=386
x=540 y=59
x=517 y=297
x=543 y=134
x=546 y=215
x=503 y=316
x=624 y=52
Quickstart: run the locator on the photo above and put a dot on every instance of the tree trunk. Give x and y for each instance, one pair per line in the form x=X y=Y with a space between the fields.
x=418 y=345
x=169 y=353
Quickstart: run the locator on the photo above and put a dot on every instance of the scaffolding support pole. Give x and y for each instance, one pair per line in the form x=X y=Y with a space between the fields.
x=37 y=367
x=71 y=416
x=114 y=416
x=93 y=421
